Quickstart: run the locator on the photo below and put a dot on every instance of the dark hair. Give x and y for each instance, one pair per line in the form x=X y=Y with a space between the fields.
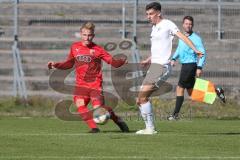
x=154 y=5
x=190 y=18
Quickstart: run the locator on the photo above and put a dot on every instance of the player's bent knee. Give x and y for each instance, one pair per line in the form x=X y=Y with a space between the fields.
x=84 y=112
x=80 y=102
x=142 y=100
x=96 y=106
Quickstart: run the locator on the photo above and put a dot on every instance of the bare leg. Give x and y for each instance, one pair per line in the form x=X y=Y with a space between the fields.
x=189 y=91
x=180 y=91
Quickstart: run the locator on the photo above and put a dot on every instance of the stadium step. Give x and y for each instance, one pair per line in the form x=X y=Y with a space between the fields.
x=40 y=86
x=49 y=43
x=62 y=32
x=35 y=61
x=64 y=43
x=43 y=93
x=108 y=8
x=102 y=32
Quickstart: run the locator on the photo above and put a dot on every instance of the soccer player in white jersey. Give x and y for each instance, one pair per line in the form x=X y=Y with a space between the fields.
x=163 y=32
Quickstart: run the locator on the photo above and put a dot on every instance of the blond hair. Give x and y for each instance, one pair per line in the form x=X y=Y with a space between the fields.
x=88 y=25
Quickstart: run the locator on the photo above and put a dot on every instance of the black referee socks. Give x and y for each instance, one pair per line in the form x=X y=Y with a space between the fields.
x=179 y=102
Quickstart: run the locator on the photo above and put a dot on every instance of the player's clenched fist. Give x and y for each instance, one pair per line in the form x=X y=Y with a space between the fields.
x=51 y=65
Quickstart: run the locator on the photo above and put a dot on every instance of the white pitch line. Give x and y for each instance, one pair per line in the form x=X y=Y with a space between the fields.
x=114 y=134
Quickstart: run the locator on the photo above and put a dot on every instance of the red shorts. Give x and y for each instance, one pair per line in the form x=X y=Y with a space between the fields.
x=89 y=93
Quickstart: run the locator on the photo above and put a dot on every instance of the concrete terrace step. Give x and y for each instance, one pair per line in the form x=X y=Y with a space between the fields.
x=49 y=53
x=65 y=43
x=29 y=69
x=26 y=20
x=114 y=19
x=50 y=43
x=230 y=92
x=36 y=52
x=110 y=8
x=61 y=8
x=103 y=32
x=215 y=46
x=43 y=93
x=32 y=83
x=34 y=61
x=64 y=31
x=70 y=19
x=37 y=69
x=218 y=67
x=41 y=84
x=36 y=64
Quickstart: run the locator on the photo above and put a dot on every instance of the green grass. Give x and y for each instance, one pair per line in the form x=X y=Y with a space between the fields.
x=45 y=107
x=50 y=138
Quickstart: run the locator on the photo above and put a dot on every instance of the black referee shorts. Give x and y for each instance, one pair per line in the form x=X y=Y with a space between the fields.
x=187 y=75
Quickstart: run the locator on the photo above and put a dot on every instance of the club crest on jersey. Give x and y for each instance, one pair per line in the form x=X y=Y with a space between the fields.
x=84 y=58
x=92 y=51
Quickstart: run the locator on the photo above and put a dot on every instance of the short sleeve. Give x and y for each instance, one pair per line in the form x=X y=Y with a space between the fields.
x=172 y=27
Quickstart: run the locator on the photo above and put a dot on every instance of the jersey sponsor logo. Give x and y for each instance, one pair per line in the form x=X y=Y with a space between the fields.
x=84 y=58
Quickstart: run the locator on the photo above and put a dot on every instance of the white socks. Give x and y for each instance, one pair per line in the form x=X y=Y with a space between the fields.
x=147 y=115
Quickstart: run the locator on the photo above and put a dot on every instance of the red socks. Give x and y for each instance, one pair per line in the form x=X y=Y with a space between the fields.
x=87 y=116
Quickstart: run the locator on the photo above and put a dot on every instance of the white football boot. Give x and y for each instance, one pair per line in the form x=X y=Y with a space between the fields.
x=147 y=131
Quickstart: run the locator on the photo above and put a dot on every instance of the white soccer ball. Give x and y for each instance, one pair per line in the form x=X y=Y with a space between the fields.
x=101 y=116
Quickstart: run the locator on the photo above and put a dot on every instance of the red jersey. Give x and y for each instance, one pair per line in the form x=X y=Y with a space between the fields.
x=88 y=63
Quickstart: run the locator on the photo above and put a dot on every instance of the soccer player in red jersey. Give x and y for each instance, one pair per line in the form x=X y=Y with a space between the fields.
x=86 y=57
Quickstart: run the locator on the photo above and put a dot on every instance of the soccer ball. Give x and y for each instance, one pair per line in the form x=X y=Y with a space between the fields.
x=101 y=116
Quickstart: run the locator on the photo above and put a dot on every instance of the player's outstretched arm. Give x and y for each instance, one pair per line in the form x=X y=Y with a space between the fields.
x=189 y=43
x=61 y=65
x=67 y=64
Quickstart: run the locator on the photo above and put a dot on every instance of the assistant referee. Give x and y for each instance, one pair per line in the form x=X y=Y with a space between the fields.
x=192 y=65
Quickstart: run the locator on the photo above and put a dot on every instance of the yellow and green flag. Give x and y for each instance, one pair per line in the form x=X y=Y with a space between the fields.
x=203 y=91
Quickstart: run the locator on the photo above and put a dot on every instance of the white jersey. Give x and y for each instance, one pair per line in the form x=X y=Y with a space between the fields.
x=161 y=41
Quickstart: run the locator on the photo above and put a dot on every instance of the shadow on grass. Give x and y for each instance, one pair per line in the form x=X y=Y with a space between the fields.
x=117 y=131
x=228 y=133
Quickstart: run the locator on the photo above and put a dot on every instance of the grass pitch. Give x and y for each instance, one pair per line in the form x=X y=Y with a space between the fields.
x=51 y=138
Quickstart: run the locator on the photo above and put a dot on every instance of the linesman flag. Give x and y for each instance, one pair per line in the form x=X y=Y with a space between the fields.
x=203 y=91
